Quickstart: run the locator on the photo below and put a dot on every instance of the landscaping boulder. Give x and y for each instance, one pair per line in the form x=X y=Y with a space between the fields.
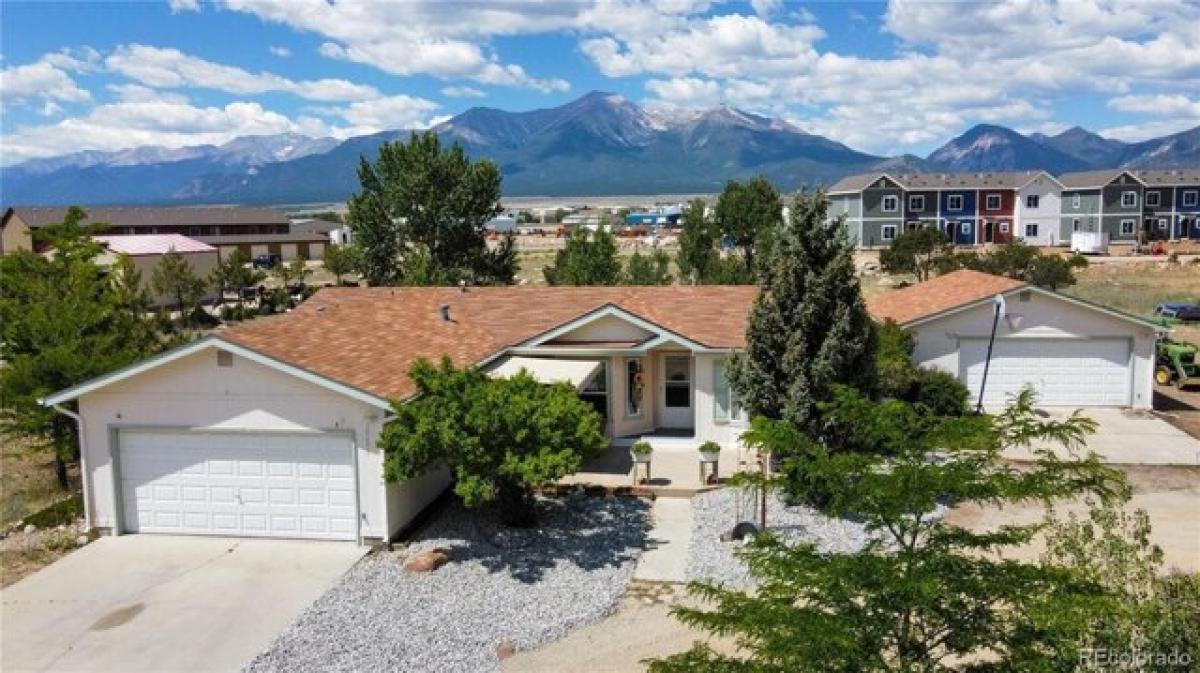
x=426 y=561
x=505 y=650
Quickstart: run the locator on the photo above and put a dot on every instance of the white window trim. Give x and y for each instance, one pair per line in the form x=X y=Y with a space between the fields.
x=883 y=232
x=916 y=199
x=987 y=201
x=1133 y=199
x=950 y=202
x=735 y=414
x=1190 y=198
x=1004 y=227
x=1036 y=201
x=1162 y=223
x=884 y=201
x=1132 y=227
x=1157 y=199
x=965 y=227
x=1076 y=200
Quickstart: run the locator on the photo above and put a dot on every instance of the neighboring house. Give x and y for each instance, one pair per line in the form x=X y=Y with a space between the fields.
x=1171 y=203
x=147 y=250
x=337 y=233
x=255 y=231
x=270 y=429
x=970 y=208
x=1072 y=352
x=1104 y=201
x=14 y=234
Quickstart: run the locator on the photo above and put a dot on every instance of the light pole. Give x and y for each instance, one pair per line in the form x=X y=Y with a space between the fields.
x=998 y=308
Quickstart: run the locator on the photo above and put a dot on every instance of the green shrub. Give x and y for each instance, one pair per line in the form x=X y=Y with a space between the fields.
x=941 y=392
x=1077 y=261
x=709 y=447
x=62 y=512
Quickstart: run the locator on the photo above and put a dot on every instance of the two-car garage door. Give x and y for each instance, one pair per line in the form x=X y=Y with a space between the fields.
x=1063 y=372
x=241 y=484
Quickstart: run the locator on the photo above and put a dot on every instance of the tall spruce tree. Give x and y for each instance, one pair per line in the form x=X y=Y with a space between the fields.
x=809 y=329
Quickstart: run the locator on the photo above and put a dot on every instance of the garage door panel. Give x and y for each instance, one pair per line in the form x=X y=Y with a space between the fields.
x=1063 y=372
x=234 y=484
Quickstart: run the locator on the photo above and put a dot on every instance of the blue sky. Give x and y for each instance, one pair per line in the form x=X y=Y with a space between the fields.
x=885 y=77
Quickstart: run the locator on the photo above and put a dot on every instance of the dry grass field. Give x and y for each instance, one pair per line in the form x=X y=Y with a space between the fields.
x=1138 y=288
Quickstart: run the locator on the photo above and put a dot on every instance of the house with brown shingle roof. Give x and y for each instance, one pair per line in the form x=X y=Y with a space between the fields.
x=292 y=406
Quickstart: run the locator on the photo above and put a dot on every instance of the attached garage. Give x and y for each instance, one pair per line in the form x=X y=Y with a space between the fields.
x=1070 y=352
x=256 y=484
x=1063 y=372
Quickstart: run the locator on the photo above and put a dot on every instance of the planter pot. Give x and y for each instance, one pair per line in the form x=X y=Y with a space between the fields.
x=709 y=456
x=640 y=457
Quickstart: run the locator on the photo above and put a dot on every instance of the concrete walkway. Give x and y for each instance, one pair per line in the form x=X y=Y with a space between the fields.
x=1127 y=437
x=666 y=558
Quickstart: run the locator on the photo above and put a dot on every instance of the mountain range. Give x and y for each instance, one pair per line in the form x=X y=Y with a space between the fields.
x=599 y=144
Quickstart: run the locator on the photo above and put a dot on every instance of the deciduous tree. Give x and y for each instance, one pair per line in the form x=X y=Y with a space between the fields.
x=650 y=269
x=341 y=260
x=698 y=236
x=586 y=259
x=500 y=437
x=918 y=251
x=748 y=215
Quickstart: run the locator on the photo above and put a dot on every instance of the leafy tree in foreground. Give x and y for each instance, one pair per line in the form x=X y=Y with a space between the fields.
x=650 y=269
x=419 y=194
x=175 y=278
x=918 y=251
x=924 y=594
x=63 y=322
x=586 y=259
x=500 y=437
x=808 y=329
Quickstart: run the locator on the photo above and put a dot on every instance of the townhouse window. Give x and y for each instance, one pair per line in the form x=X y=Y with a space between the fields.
x=965 y=228
x=916 y=202
x=1076 y=201
x=1004 y=227
x=954 y=202
x=1075 y=224
x=1128 y=199
x=726 y=406
x=1191 y=198
x=1162 y=223
x=1032 y=201
x=635 y=386
x=891 y=204
x=992 y=202
x=889 y=232
x=1031 y=231
x=1127 y=227
x=595 y=392
x=1153 y=198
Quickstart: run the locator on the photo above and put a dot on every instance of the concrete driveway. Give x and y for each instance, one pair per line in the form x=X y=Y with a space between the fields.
x=1128 y=437
x=164 y=603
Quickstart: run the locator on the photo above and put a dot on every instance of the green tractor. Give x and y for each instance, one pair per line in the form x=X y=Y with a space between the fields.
x=1175 y=362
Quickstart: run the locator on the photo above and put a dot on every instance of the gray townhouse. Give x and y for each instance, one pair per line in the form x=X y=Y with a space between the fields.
x=1103 y=201
x=1171 y=203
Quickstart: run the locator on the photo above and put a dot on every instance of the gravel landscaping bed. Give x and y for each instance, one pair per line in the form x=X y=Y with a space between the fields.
x=525 y=587
x=713 y=514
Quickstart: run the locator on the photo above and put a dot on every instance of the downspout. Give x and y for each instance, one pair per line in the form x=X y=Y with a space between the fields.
x=83 y=471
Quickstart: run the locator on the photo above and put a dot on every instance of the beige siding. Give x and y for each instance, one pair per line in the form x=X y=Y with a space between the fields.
x=15 y=236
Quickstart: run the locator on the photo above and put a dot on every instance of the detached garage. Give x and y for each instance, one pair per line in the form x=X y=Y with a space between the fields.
x=1072 y=353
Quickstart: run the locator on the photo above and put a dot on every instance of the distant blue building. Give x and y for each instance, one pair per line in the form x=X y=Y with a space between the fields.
x=658 y=216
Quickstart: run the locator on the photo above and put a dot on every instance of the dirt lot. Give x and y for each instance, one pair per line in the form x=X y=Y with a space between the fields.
x=27 y=485
x=1180 y=407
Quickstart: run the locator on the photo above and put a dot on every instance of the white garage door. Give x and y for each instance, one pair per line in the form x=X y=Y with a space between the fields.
x=261 y=485
x=1064 y=372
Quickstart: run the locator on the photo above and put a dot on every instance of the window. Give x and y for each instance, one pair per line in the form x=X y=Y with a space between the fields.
x=678 y=383
x=1075 y=224
x=1031 y=231
x=1032 y=201
x=1128 y=199
x=916 y=202
x=725 y=403
x=1190 y=198
x=954 y=202
x=1153 y=198
x=965 y=228
x=595 y=392
x=1004 y=227
x=891 y=204
x=1162 y=223
x=889 y=232
x=992 y=202
x=1076 y=201
x=1127 y=227
x=635 y=384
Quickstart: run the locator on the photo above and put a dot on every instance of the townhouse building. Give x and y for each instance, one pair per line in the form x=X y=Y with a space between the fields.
x=1104 y=201
x=1171 y=203
x=970 y=208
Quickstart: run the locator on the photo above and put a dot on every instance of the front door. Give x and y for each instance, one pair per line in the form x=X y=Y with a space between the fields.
x=675 y=400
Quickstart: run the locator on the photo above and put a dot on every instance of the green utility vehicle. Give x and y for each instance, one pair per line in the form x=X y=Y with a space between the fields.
x=1175 y=362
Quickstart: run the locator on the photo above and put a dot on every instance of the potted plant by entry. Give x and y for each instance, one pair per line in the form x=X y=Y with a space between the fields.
x=640 y=451
x=710 y=451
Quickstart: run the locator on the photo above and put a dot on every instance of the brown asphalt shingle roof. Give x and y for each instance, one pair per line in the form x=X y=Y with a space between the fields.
x=939 y=294
x=369 y=337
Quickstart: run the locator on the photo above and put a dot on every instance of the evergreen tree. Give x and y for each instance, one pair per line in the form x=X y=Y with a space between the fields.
x=235 y=273
x=809 y=328
x=651 y=269
x=175 y=278
x=62 y=322
x=697 y=244
x=419 y=194
x=586 y=260
x=748 y=215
